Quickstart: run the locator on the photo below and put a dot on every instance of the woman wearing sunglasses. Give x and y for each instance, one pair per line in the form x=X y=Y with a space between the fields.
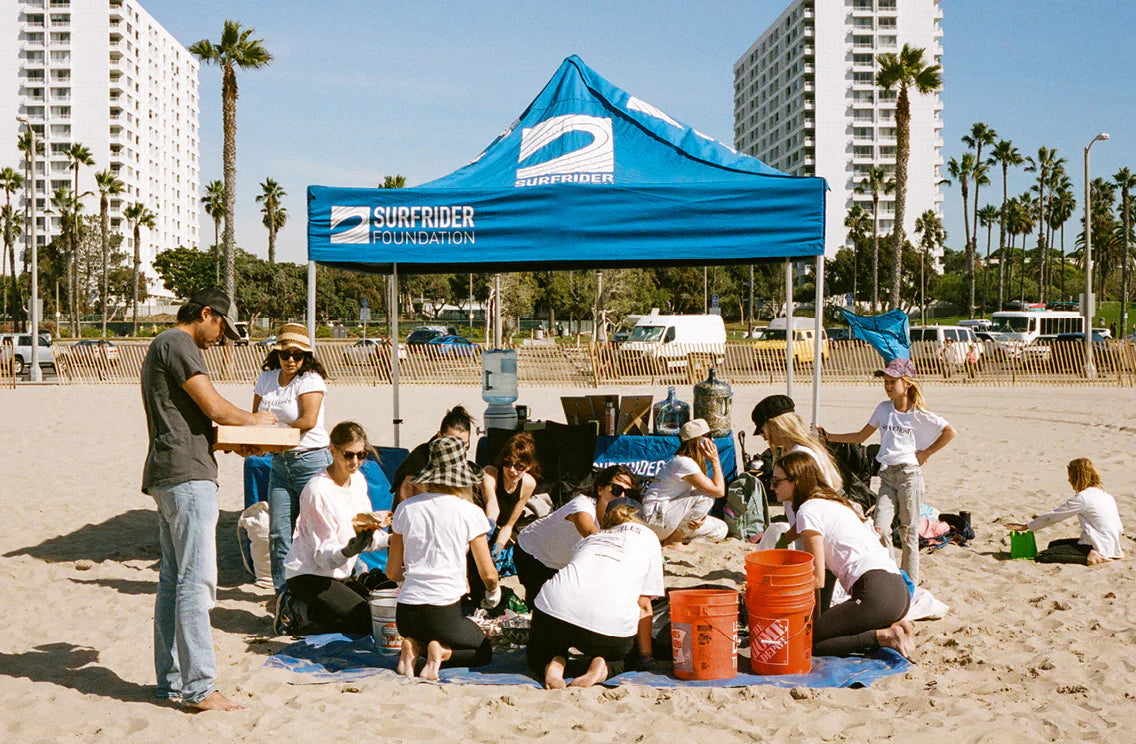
x=292 y=386
x=322 y=556
x=507 y=486
x=546 y=545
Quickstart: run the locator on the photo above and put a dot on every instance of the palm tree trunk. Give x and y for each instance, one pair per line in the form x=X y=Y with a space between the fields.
x=134 y=283
x=986 y=268
x=1002 y=236
x=217 y=249
x=969 y=249
x=1124 y=267
x=229 y=127
x=1062 y=260
x=923 y=287
x=875 y=253
x=903 y=145
x=4 y=269
x=1041 y=237
x=272 y=240
x=104 y=224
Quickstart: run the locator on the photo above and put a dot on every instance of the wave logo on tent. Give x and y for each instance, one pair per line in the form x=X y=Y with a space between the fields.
x=582 y=147
x=354 y=234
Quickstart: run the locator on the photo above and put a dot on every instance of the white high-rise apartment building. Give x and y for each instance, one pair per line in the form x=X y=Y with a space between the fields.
x=105 y=74
x=806 y=102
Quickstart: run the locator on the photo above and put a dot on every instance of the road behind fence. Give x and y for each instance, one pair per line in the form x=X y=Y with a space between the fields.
x=589 y=366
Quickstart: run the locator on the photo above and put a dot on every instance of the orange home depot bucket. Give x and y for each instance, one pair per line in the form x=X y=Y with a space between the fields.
x=704 y=633
x=779 y=606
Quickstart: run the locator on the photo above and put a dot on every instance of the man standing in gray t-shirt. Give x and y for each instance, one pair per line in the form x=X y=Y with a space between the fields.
x=181 y=475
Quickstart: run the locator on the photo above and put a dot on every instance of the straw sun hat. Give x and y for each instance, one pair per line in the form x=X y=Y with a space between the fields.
x=293 y=336
x=448 y=465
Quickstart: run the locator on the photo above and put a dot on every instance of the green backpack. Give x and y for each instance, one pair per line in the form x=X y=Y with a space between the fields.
x=746 y=513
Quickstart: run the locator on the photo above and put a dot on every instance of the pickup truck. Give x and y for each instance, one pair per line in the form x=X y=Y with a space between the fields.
x=21 y=345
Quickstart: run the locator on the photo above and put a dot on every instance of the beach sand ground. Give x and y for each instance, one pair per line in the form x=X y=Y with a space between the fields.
x=1027 y=652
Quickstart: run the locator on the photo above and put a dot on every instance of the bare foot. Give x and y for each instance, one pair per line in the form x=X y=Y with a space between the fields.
x=597 y=672
x=409 y=654
x=554 y=674
x=898 y=638
x=1095 y=558
x=215 y=701
x=436 y=654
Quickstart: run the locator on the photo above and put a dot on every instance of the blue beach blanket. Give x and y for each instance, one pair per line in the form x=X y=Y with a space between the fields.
x=339 y=658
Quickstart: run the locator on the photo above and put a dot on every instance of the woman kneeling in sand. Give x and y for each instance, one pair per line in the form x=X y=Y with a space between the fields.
x=600 y=603
x=840 y=541
x=1100 y=521
x=430 y=535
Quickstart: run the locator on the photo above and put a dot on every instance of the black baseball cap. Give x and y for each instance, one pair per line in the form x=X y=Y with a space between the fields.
x=220 y=302
x=770 y=407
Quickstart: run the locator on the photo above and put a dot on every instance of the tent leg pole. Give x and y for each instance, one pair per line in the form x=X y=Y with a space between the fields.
x=497 y=312
x=396 y=420
x=789 y=328
x=818 y=342
x=312 y=301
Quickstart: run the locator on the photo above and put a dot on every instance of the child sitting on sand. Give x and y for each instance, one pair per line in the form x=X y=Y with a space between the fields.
x=1100 y=521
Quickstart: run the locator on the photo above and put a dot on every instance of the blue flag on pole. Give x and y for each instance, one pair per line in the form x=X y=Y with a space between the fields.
x=886 y=333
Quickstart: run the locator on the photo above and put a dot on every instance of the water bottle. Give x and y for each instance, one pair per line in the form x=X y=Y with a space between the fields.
x=712 y=399
x=499 y=377
x=670 y=414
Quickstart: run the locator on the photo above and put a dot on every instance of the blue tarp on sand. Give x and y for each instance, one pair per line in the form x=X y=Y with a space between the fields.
x=588 y=176
x=339 y=658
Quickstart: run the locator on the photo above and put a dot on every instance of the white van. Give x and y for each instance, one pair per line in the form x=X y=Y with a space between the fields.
x=670 y=341
x=940 y=347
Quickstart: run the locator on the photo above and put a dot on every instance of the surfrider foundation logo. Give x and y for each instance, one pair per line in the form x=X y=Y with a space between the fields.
x=355 y=234
x=591 y=163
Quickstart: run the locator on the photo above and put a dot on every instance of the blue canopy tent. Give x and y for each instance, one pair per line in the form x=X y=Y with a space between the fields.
x=589 y=176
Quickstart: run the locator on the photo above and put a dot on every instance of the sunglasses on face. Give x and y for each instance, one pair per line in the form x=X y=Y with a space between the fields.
x=360 y=455
x=517 y=464
x=618 y=490
x=292 y=354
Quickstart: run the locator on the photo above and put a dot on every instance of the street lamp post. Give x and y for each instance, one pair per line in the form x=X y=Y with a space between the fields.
x=1087 y=309
x=35 y=374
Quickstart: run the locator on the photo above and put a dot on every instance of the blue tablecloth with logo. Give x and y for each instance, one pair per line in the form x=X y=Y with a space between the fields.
x=646 y=455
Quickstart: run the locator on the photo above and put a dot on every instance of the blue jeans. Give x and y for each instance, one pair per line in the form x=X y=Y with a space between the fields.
x=290 y=472
x=187 y=590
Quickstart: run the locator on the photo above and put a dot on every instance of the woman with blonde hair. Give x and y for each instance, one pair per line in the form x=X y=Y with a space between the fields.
x=600 y=603
x=677 y=505
x=1100 y=521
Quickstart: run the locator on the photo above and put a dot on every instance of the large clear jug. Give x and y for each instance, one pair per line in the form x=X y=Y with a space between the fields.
x=499 y=376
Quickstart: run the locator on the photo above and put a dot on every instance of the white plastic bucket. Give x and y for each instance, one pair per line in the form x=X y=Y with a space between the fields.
x=384 y=628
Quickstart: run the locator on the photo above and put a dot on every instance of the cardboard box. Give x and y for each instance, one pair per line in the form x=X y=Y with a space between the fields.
x=266 y=438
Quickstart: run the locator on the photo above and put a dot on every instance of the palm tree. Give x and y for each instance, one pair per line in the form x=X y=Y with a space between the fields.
x=24 y=145
x=857 y=224
x=214 y=201
x=906 y=70
x=108 y=185
x=139 y=216
x=1044 y=164
x=1125 y=181
x=964 y=170
x=1021 y=223
x=876 y=182
x=235 y=49
x=67 y=206
x=10 y=181
x=393 y=182
x=988 y=215
x=980 y=135
x=1062 y=207
x=78 y=154
x=931 y=227
x=274 y=223
x=270 y=195
x=1006 y=155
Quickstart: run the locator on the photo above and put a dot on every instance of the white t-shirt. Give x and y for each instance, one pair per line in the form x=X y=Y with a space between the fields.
x=851 y=547
x=670 y=484
x=789 y=513
x=553 y=538
x=1100 y=520
x=323 y=527
x=436 y=531
x=904 y=434
x=600 y=587
x=285 y=403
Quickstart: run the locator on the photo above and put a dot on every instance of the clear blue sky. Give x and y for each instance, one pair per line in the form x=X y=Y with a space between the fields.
x=360 y=90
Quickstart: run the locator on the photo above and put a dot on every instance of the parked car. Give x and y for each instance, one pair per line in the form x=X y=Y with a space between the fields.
x=454 y=346
x=20 y=351
x=242 y=328
x=1004 y=347
x=426 y=334
x=839 y=333
x=944 y=348
x=367 y=351
x=771 y=340
x=101 y=347
x=266 y=343
x=666 y=342
x=1068 y=352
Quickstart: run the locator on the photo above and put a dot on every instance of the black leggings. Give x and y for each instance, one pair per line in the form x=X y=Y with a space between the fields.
x=1069 y=550
x=339 y=605
x=449 y=627
x=550 y=637
x=531 y=572
x=879 y=599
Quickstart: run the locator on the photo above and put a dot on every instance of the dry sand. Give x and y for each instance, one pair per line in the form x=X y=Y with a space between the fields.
x=1027 y=653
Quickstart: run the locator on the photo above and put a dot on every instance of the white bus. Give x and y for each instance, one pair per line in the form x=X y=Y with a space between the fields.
x=1026 y=326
